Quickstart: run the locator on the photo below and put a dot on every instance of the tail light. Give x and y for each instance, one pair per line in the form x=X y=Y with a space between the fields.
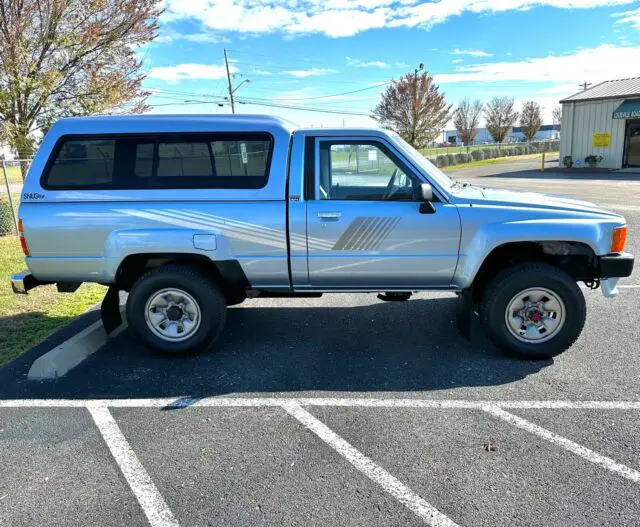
x=618 y=239
x=23 y=242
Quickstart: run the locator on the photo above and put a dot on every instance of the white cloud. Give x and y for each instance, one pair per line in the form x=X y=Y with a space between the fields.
x=258 y=71
x=357 y=63
x=168 y=35
x=337 y=18
x=456 y=61
x=629 y=17
x=402 y=65
x=594 y=65
x=471 y=52
x=312 y=72
x=209 y=38
x=189 y=71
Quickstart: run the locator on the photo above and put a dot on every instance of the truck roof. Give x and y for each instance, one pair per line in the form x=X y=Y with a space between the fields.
x=97 y=124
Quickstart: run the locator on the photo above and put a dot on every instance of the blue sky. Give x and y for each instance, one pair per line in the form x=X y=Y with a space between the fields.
x=337 y=55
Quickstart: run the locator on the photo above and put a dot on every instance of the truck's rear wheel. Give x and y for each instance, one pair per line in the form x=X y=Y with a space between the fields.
x=534 y=310
x=176 y=309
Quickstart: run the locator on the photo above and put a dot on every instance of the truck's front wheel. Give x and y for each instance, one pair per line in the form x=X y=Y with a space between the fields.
x=176 y=309
x=534 y=310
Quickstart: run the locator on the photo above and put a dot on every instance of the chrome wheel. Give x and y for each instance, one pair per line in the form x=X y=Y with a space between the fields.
x=535 y=315
x=172 y=314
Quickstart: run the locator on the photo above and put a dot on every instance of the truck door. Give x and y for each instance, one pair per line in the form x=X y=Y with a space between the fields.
x=365 y=222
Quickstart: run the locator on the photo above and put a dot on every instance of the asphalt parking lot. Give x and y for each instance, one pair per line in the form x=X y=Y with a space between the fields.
x=343 y=410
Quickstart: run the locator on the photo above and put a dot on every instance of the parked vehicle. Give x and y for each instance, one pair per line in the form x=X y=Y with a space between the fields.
x=191 y=214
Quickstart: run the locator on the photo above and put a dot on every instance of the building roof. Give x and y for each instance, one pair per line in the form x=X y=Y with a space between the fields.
x=614 y=89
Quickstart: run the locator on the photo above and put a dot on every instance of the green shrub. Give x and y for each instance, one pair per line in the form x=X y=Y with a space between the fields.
x=477 y=155
x=442 y=161
x=6 y=219
x=489 y=153
x=462 y=158
x=451 y=158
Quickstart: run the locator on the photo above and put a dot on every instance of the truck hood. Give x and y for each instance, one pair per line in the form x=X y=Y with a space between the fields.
x=519 y=198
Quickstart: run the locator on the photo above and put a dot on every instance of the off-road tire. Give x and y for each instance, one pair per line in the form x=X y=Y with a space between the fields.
x=508 y=283
x=210 y=300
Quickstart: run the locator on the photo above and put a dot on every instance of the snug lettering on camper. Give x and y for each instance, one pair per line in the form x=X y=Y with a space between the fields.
x=32 y=196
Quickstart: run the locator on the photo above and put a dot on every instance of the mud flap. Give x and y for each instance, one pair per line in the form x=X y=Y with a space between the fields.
x=110 y=310
x=464 y=313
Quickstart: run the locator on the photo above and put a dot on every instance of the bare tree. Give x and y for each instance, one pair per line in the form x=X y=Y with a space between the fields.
x=69 y=57
x=530 y=119
x=466 y=119
x=414 y=108
x=501 y=115
x=556 y=115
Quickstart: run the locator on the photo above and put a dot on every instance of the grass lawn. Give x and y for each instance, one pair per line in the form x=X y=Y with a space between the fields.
x=456 y=149
x=13 y=174
x=25 y=320
x=498 y=160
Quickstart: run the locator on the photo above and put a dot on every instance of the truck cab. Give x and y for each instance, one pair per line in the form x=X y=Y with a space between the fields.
x=191 y=214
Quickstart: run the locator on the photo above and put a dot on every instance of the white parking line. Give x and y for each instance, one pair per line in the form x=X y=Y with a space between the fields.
x=367 y=402
x=393 y=486
x=151 y=501
x=567 y=444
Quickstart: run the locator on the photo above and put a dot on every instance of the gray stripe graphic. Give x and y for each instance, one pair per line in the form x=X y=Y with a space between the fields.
x=367 y=227
x=366 y=233
x=348 y=234
x=372 y=235
x=386 y=231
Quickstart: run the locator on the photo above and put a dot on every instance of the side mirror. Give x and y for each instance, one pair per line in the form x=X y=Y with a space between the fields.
x=426 y=196
x=426 y=192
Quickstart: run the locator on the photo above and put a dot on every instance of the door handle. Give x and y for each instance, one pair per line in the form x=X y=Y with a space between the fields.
x=329 y=215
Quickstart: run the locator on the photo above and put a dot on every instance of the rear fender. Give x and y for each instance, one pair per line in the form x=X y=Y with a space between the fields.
x=120 y=244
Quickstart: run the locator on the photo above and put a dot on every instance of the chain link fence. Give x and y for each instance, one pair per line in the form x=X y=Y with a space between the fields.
x=11 y=173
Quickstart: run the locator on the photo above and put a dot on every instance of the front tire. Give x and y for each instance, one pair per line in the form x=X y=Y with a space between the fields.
x=533 y=310
x=177 y=310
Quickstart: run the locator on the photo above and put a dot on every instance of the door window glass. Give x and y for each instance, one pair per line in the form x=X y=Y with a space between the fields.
x=362 y=171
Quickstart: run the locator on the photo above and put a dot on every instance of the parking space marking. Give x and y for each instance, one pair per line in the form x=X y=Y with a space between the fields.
x=393 y=486
x=373 y=402
x=567 y=444
x=153 y=505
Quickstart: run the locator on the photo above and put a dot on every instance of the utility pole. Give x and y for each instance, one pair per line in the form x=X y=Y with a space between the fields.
x=226 y=63
x=584 y=85
x=415 y=99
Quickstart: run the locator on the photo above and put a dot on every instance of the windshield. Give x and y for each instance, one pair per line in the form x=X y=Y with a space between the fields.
x=424 y=164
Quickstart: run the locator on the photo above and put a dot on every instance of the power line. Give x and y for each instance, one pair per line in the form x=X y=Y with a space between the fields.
x=270 y=105
x=304 y=108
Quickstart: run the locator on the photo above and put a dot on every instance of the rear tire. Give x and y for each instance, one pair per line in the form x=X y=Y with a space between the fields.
x=176 y=310
x=533 y=310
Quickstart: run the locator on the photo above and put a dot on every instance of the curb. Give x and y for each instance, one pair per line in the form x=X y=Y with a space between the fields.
x=70 y=353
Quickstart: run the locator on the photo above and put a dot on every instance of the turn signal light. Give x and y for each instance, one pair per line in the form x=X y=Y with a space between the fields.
x=619 y=239
x=23 y=242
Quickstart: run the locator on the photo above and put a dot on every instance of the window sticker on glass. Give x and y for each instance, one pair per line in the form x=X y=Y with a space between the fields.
x=243 y=152
x=373 y=155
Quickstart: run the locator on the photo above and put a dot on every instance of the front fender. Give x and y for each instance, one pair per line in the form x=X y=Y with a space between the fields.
x=127 y=242
x=479 y=243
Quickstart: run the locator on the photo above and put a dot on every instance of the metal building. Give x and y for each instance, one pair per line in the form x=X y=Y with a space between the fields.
x=603 y=120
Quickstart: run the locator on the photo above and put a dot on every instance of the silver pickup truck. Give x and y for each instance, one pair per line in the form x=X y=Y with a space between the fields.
x=191 y=214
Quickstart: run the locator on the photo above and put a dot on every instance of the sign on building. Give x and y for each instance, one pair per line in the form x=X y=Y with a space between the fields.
x=601 y=139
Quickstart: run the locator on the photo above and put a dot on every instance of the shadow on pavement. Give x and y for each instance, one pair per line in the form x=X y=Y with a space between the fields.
x=383 y=347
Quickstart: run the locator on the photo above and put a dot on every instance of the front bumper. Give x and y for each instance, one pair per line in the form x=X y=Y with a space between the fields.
x=611 y=268
x=23 y=282
x=615 y=265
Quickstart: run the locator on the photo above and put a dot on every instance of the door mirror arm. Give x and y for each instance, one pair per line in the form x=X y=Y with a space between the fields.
x=425 y=195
